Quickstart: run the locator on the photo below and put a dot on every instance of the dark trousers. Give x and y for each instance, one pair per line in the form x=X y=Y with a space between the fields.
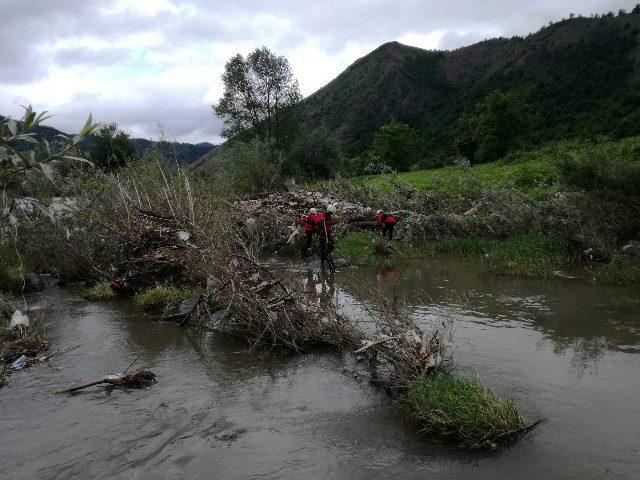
x=388 y=230
x=308 y=240
x=326 y=246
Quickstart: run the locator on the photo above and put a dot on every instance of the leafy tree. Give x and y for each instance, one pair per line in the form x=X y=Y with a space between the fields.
x=636 y=9
x=396 y=145
x=496 y=127
x=258 y=89
x=112 y=148
x=317 y=154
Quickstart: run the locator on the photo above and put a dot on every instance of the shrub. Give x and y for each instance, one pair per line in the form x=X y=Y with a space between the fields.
x=253 y=166
x=460 y=408
x=100 y=291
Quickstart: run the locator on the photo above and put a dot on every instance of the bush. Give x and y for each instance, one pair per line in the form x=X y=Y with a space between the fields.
x=99 y=292
x=253 y=166
x=460 y=408
x=162 y=296
x=317 y=155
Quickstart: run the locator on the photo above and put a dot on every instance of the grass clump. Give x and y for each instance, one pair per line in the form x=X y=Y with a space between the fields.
x=621 y=270
x=529 y=255
x=462 y=409
x=162 y=296
x=99 y=292
x=11 y=277
x=457 y=246
x=365 y=249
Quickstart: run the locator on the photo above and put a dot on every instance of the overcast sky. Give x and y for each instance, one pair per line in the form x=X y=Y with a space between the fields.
x=145 y=63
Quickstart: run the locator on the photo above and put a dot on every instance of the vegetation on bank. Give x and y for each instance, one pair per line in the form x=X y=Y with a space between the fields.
x=101 y=291
x=462 y=409
x=367 y=249
x=162 y=296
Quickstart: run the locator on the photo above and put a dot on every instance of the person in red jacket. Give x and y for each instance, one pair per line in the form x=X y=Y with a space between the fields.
x=387 y=220
x=308 y=222
x=324 y=229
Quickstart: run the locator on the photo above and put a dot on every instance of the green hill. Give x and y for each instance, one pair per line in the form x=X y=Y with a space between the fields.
x=579 y=78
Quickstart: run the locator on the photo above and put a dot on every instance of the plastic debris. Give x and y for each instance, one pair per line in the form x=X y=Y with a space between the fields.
x=20 y=363
x=19 y=318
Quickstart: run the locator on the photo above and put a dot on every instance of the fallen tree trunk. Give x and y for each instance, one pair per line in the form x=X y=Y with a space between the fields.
x=139 y=379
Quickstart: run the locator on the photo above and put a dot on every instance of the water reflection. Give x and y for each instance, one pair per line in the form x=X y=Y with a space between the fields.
x=575 y=316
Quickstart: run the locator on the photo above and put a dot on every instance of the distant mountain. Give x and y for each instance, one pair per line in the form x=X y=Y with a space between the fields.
x=183 y=153
x=580 y=78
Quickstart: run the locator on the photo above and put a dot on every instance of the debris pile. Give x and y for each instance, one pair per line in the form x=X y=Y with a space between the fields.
x=243 y=297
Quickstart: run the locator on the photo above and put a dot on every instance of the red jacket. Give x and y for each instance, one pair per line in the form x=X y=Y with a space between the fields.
x=324 y=222
x=309 y=222
x=386 y=217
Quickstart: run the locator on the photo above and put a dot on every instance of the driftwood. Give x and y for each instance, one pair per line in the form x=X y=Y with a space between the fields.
x=139 y=379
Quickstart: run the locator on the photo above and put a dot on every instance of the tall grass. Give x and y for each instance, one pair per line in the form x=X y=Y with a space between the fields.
x=462 y=409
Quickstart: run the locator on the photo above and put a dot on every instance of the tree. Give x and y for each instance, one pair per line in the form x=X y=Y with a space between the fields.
x=636 y=9
x=317 y=154
x=257 y=91
x=496 y=127
x=396 y=145
x=112 y=148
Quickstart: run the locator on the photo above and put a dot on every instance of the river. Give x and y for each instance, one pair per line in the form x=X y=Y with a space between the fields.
x=564 y=350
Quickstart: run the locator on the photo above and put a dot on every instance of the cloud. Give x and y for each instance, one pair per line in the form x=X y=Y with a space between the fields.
x=140 y=62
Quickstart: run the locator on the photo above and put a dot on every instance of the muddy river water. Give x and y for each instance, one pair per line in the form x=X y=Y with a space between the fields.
x=564 y=350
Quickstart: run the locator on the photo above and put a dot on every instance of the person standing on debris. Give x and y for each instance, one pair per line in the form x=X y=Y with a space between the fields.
x=324 y=228
x=387 y=220
x=308 y=222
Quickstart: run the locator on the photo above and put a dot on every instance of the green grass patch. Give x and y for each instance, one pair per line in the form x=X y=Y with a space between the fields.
x=621 y=270
x=529 y=255
x=366 y=249
x=457 y=246
x=162 y=296
x=11 y=272
x=462 y=409
x=11 y=278
x=99 y=292
x=530 y=171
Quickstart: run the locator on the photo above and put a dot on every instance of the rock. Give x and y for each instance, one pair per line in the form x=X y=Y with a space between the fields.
x=33 y=282
x=632 y=248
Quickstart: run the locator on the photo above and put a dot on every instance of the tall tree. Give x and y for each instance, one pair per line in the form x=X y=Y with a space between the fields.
x=257 y=91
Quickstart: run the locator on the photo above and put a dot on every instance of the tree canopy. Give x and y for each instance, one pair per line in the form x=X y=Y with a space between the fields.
x=396 y=145
x=257 y=90
x=495 y=127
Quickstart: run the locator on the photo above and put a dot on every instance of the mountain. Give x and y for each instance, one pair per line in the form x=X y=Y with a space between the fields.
x=579 y=78
x=183 y=153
